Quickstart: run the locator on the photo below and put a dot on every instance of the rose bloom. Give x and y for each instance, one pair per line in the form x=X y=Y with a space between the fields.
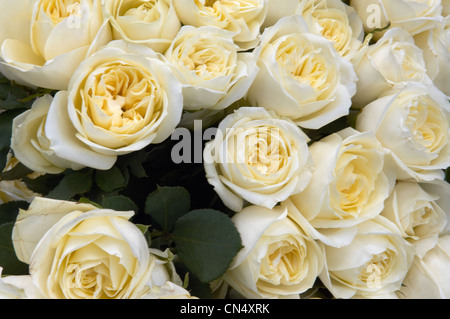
x=257 y=157
x=278 y=260
x=392 y=61
x=30 y=143
x=333 y=19
x=149 y=22
x=435 y=44
x=242 y=17
x=207 y=62
x=413 y=123
x=428 y=277
x=414 y=16
x=301 y=75
x=374 y=263
x=79 y=251
x=42 y=42
x=352 y=179
x=120 y=100
x=419 y=210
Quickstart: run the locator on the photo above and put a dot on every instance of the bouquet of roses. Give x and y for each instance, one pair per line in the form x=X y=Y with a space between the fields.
x=224 y=149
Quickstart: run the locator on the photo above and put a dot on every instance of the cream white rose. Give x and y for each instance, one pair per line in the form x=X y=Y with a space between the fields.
x=242 y=17
x=153 y=23
x=301 y=75
x=351 y=181
x=42 y=41
x=337 y=22
x=428 y=277
x=278 y=260
x=413 y=123
x=392 y=61
x=257 y=157
x=120 y=100
x=30 y=143
x=207 y=62
x=435 y=44
x=419 y=210
x=78 y=251
x=374 y=263
x=412 y=15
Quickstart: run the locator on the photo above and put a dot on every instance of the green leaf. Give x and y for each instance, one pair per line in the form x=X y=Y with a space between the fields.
x=119 y=203
x=109 y=180
x=10 y=210
x=17 y=172
x=166 y=204
x=73 y=183
x=206 y=241
x=8 y=259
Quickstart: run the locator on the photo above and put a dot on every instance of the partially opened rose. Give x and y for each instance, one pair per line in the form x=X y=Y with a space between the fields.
x=207 y=62
x=435 y=44
x=414 y=16
x=278 y=260
x=119 y=100
x=78 y=251
x=374 y=263
x=419 y=210
x=351 y=181
x=30 y=143
x=301 y=75
x=243 y=17
x=257 y=157
x=392 y=61
x=153 y=23
x=428 y=277
x=42 y=42
x=413 y=123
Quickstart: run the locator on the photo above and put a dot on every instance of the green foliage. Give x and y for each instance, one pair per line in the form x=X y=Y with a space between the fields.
x=166 y=205
x=206 y=242
x=8 y=259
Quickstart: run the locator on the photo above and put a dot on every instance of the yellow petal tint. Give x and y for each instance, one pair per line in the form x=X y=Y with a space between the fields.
x=121 y=99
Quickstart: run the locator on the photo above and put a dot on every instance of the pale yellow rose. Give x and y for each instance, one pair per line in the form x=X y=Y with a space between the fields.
x=121 y=99
x=429 y=277
x=412 y=122
x=153 y=23
x=301 y=75
x=374 y=263
x=207 y=62
x=242 y=17
x=30 y=143
x=78 y=251
x=414 y=16
x=419 y=210
x=392 y=61
x=435 y=44
x=257 y=157
x=278 y=259
x=42 y=41
x=352 y=179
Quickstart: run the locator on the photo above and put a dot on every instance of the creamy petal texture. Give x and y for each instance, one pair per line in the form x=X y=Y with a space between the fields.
x=301 y=75
x=351 y=181
x=278 y=259
x=78 y=251
x=153 y=23
x=243 y=18
x=375 y=262
x=207 y=62
x=52 y=39
x=119 y=100
x=413 y=123
x=257 y=157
